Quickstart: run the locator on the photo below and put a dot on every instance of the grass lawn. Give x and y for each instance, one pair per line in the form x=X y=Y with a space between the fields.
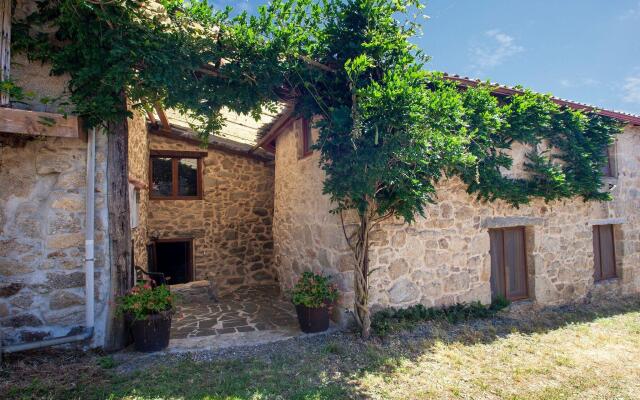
x=581 y=352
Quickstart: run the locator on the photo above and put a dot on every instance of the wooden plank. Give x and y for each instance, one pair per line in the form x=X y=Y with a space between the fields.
x=607 y=252
x=5 y=47
x=515 y=263
x=178 y=153
x=497 y=263
x=37 y=123
x=275 y=130
x=597 y=266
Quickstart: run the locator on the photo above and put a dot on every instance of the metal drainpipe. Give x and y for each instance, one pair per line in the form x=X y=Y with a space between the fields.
x=88 y=263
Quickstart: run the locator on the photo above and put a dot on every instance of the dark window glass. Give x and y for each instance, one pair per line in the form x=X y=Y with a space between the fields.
x=187 y=177
x=162 y=184
x=175 y=177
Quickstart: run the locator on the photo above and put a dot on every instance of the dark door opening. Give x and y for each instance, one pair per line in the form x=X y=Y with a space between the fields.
x=173 y=259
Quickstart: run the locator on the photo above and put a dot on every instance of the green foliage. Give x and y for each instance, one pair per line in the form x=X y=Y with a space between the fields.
x=389 y=129
x=126 y=48
x=565 y=148
x=334 y=347
x=14 y=91
x=314 y=291
x=107 y=362
x=391 y=319
x=144 y=299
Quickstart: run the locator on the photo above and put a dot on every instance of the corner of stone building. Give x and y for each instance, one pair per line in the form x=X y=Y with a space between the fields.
x=138 y=167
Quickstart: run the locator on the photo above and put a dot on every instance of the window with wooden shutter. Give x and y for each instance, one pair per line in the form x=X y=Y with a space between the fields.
x=307 y=138
x=609 y=168
x=508 y=263
x=604 y=253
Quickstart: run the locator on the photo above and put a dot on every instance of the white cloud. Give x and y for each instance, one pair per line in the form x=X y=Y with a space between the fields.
x=631 y=89
x=579 y=82
x=495 y=51
x=631 y=14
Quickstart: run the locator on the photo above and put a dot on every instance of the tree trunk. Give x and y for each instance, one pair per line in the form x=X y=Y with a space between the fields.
x=121 y=274
x=361 y=276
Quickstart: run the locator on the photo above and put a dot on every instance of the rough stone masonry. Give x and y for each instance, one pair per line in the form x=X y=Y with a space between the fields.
x=444 y=258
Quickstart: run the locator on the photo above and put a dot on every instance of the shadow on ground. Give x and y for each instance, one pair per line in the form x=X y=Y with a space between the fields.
x=326 y=367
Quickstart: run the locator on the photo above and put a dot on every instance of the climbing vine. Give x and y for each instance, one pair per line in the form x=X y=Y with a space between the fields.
x=389 y=130
x=564 y=148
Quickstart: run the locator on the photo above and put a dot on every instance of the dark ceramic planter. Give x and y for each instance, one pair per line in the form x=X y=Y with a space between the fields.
x=152 y=333
x=313 y=319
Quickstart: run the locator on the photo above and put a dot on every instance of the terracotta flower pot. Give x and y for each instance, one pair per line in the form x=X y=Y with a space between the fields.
x=152 y=333
x=313 y=319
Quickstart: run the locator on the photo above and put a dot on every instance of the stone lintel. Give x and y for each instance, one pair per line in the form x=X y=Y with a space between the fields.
x=608 y=221
x=506 y=222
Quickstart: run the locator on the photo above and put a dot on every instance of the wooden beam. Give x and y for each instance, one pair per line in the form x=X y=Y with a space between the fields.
x=38 y=123
x=119 y=263
x=164 y=121
x=171 y=134
x=316 y=64
x=5 y=46
x=152 y=118
x=178 y=153
x=273 y=133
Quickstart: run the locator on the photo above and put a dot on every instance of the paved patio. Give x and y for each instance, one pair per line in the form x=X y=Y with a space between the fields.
x=249 y=309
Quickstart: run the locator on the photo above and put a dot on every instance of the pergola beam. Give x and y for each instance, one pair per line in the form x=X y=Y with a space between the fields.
x=164 y=121
x=5 y=47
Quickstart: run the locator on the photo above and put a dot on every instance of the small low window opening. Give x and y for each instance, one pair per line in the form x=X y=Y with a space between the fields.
x=307 y=138
x=609 y=168
x=604 y=253
x=175 y=176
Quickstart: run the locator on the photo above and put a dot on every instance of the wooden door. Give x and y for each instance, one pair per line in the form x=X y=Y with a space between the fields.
x=604 y=252
x=508 y=263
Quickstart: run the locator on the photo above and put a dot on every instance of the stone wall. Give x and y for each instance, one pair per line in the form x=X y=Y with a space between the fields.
x=231 y=225
x=139 y=170
x=444 y=257
x=35 y=77
x=42 y=220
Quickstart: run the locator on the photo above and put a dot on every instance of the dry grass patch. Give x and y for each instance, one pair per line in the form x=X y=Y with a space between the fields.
x=583 y=352
x=599 y=359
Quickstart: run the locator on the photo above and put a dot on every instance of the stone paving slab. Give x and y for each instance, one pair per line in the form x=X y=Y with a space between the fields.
x=245 y=310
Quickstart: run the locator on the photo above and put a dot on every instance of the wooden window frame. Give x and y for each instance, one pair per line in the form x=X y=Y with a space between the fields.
x=597 y=254
x=307 y=138
x=527 y=295
x=175 y=157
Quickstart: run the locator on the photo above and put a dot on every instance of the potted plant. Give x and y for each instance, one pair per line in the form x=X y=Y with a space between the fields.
x=148 y=309
x=313 y=295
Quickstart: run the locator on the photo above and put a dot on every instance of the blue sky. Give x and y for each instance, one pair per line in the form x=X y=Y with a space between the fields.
x=582 y=50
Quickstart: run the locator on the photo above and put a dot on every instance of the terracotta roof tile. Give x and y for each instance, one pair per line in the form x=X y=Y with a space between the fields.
x=509 y=91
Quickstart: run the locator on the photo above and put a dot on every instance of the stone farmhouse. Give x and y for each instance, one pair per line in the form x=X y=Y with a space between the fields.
x=248 y=210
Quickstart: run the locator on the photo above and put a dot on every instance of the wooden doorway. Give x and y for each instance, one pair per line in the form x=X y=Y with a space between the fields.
x=509 y=274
